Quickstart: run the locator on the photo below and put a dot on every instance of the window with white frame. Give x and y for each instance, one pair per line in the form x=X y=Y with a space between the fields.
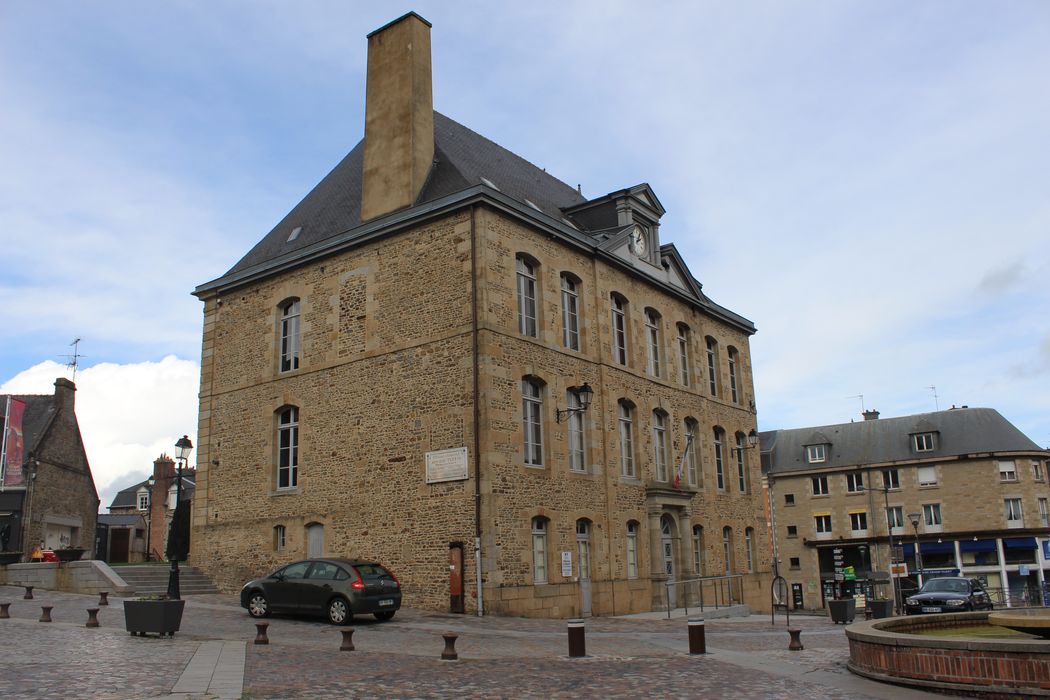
x=749 y=547
x=727 y=548
x=692 y=462
x=698 y=550
x=575 y=426
x=290 y=340
x=855 y=482
x=931 y=515
x=684 y=363
x=652 y=341
x=532 y=421
x=1044 y=513
x=570 y=312
x=143 y=499
x=526 y=297
x=741 y=465
x=822 y=522
x=815 y=454
x=923 y=442
x=539 y=550
x=820 y=485
x=1014 y=515
x=712 y=365
x=660 y=444
x=1007 y=470
x=733 y=356
x=895 y=519
x=858 y=521
x=927 y=476
x=279 y=538
x=720 y=477
x=891 y=479
x=1037 y=470
x=632 y=549
x=288 y=448
x=626 y=421
x=172 y=495
x=583 y=547
x=619 y=329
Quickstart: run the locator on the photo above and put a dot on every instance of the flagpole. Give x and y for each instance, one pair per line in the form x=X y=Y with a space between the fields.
x=3 y=445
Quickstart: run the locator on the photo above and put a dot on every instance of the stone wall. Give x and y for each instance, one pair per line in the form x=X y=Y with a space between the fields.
x=91 y=576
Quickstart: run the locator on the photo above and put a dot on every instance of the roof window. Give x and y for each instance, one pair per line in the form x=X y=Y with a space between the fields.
x=294 y=234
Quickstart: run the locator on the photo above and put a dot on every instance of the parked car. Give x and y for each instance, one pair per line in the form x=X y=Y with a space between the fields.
x=948 y=594
x=335 y=588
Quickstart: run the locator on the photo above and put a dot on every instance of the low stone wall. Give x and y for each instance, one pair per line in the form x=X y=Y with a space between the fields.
x=90 y=576
x=884 y=650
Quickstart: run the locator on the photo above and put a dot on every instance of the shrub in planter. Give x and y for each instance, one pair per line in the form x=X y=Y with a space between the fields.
x=159 y=615
x=69 y=553
x=842 y=610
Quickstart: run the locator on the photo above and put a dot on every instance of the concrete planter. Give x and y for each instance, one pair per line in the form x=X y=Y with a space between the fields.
x=69 y=554
x=162 y=617
x=842 y=610
x=880 y=608
x=10 y=557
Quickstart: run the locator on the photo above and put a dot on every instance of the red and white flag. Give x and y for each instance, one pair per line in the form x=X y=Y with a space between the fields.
x=681 y=463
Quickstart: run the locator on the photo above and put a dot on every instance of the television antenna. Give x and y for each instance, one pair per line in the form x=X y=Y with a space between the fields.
x=74 y=359
x=858 y=396
x=936 y=403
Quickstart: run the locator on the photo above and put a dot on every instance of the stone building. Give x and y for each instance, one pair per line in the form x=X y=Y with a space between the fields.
x=447 y=360
x=964 y=484
x=48 y=497
x=154 y=500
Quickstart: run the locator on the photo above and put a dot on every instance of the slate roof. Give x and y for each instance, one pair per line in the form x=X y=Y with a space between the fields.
x=128 y=497
x=463 y=158
x=40 y=411
x=960 y=432
x=120 y=519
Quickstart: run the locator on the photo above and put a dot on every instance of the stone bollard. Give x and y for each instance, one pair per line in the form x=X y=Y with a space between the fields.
x=449 y=652
x=29 y=593
x=3 y=611
x=577 y=638
x=103 y=597
x=796 y=641
x=348 y=640
x=92 y=617
x=45 y=615
x=697 y=640
x=260 y=633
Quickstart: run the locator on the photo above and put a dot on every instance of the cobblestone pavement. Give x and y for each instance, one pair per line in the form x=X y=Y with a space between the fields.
x=499 y=657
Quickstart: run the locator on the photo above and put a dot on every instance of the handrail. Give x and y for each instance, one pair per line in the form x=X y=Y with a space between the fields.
x=722 y=585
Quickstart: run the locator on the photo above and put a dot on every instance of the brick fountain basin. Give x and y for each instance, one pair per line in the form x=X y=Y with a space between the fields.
x=910 y=651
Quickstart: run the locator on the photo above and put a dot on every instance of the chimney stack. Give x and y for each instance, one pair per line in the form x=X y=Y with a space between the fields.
x=871 y=415
x=65 y=393
x=399 y=116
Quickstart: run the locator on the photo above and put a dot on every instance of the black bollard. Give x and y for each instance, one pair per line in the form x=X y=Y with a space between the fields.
x=92 y=617
x=796 y=641
x=260 y=633
x=697 y=640
x=3 y=611
x=45 y=615
x=449 y=652
x=29 y=593
x=103 y=597
x=348 y=640
x=577 y=638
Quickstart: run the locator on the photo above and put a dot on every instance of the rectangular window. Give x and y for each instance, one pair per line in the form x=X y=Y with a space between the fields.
x=683 y=353
x=927 y=476
x=858 y=522
x=741 y=467
x=712 y=366
x=891 y=479
x=823 y=524
x=1037 y=470
x=1044 y=513
x=732 y=375
x=719 y=467
x=570 y=313
x=626 y=441
x=795 y=563
x=290 y=336
x=619 y=330
x=698 y=550
x=820 y=485
x=632 y=550
x=931 y=515
x=855 y=482
x=1014 y=516
x=660 y=445
x=652 y=341
x=1007 y=470
x=789 y=499
x=923 y=442
x=749 y=548
x=577 y=453
x=691 y=461
x=526 y=298
x=144 y=501
x=895 y=519
x=279 y=540
x=816 y=454
x=792 y=530
x=539 y=550
x=532 y=422
x=288 y=448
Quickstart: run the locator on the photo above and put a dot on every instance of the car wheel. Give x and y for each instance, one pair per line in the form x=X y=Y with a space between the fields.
x=258 y=606
x=384 y=615
x=339 y=612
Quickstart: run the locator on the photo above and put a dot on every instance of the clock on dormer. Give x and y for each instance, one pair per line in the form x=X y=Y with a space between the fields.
x=639 y=241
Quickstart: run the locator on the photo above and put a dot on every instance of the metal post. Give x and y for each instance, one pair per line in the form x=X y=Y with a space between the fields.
x=697 y=642
x=577 y=639
x=173 y=575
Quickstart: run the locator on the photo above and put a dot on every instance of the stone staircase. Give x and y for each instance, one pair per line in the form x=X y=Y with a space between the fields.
x=152 y=579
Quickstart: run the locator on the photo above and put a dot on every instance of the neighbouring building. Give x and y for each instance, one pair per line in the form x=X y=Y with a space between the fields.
x=47 y=494
x=447 y=360
x=851 y=499
x=153 y=501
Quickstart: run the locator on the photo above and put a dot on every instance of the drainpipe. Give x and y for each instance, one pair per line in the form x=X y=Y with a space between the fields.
x=477 y=410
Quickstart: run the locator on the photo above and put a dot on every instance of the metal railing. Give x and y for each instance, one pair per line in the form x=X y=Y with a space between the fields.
x=712 y=591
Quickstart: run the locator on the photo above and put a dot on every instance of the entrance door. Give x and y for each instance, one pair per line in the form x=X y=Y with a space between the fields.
x=667 y=547
x=583 y=548
x=455 y=578
x=119 y=541
x=315 y=541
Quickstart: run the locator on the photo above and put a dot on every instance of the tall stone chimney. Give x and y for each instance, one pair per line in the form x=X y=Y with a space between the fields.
x=871 y=415
x=65 y=393
x=399 y=116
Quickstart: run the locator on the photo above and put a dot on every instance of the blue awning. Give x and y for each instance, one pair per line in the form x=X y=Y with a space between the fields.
x=937 y=547
x=909 y=550
x=1019 y=542
x=978 y=546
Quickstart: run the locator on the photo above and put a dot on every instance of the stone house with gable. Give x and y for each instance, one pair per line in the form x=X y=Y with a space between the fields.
x=153 y=501
x=445 y=359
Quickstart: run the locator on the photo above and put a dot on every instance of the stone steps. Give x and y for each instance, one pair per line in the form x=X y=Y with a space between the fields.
x=152 y=579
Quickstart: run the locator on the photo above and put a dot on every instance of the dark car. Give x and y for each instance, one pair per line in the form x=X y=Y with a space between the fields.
x=335 y=588
x=950 y=594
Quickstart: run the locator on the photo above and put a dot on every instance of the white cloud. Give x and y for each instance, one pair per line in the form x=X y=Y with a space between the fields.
x=128 y=414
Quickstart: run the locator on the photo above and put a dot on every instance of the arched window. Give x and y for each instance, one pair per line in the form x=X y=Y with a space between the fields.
x=660 y=444
x=712 y=365
x=626 y=421
x=570 y=311
x=684 y=360
x=288 y=448
x=698 y=550
x=749 y=547
x=583 y=547
x=539 y=549
x=619 y=329
x=575 y=421
x=733 y=357
x=727 y=546
x=652 y=341
x=532 y=420
x=720 y=475
x=741 y=461
x=527 y=306
x=692 y=449
x=632 y=549
x=290 y=335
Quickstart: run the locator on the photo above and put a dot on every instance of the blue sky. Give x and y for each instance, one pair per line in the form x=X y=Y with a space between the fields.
x=866 y=181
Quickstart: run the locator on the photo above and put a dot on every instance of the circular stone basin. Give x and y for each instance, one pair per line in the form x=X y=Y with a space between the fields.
x=1035 y=622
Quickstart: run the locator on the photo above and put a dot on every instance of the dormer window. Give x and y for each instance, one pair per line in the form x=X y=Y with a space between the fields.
x=815 y=454
x=143 y=498
x=923 y=442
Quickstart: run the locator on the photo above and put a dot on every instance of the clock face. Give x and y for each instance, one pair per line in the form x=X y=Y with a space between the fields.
x=638 y=241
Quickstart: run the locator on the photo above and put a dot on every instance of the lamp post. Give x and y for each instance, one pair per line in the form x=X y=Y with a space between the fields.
x=914 y=518
x=182 y=453
x=889 y=539
x=150 y=482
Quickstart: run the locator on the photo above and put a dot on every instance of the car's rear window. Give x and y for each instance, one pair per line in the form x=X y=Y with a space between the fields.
x=373 y=571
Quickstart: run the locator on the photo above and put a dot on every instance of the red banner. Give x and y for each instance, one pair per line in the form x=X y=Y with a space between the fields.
x=14 y=444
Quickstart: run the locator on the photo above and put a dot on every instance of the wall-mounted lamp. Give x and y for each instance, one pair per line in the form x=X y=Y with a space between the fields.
x=752 y=438
x=584 y=394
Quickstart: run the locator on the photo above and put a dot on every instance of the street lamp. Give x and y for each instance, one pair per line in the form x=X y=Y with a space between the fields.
x=583 y=394
x=151 y=482
x=182 y=453
x=885 y=488
x=914 y=518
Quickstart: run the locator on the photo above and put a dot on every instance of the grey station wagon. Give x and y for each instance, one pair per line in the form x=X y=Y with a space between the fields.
x=335 y=588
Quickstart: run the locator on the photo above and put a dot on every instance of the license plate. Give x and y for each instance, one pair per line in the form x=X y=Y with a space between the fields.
x=929 y=609
x=385 y=602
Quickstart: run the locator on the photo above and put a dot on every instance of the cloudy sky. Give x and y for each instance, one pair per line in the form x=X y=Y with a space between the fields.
x=866 y=181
